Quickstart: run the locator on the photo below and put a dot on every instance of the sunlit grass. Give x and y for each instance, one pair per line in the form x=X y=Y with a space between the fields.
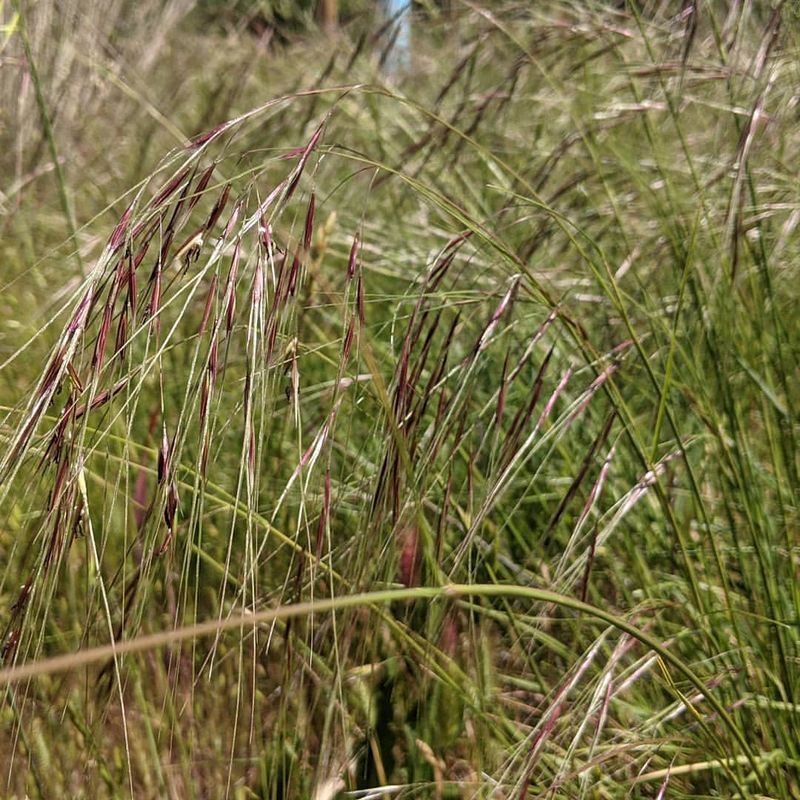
x=423 y=436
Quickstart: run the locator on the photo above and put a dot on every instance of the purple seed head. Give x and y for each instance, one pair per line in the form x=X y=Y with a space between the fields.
x=362 y=314
x=204 y=138
x=308 y=231
x=118 y=236
x=170 y=187
x=163 y=456
x=202 y=185
x=231 y=224
x=353 y=261
x=219 y=207
x=212 y=291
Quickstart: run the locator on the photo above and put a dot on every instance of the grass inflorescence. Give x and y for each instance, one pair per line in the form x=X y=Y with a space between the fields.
x=430 y=434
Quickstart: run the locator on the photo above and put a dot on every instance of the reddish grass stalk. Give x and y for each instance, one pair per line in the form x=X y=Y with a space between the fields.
x=352 y=262
x=292 y=284
x=121 y=340
x=306 y=153
x=501 y=394
x=308 y=230
x=503 y=306
x=348 y=341
x=525 y=412
x=212 y=359
x=219 y=207
x=234 y=218
x=230 y=288
x=409 y=557
x=204 y=138
x=587 y=573
x=324 y=516
x=117 y=237
x=579 y=478
x=554 y=397
x=105 y=325
x=529 y=349
x=140 y=254
x=257 y=292
x=210 y=297
x=78 y=320
x=170 y=187
x=163 y=456
x=202 y=185
x=163 y=256
x=592 y=390
x=362 y=314
x=155 y=298
x=103 y=397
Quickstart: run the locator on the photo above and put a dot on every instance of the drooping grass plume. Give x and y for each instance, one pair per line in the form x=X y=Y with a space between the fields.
x=425 y=441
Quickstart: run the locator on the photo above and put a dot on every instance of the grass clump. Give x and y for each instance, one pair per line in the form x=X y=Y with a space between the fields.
x=425 y=436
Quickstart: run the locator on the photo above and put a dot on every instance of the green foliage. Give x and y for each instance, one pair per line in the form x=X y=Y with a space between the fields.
x=430 y=435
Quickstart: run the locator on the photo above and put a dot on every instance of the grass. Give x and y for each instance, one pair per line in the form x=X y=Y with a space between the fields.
x=420 y=435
